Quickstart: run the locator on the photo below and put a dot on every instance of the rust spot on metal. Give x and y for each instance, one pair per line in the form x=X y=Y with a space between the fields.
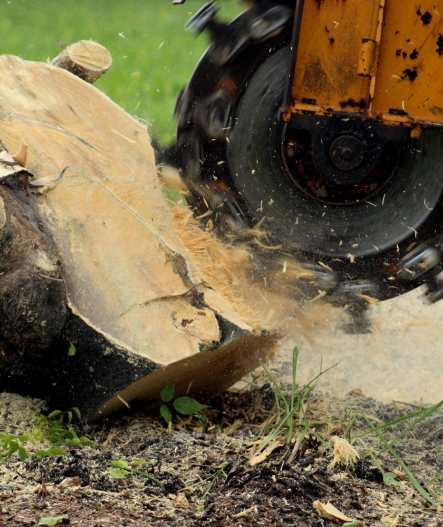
x=397 y=111
x=308 y=100
x=353 y=104
x=436 y=110
x=410 y=74
x=440 y=44
x=425 y=17
x=414 y=54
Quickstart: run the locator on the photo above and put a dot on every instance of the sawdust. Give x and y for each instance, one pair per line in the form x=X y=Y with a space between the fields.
x=344 y=453
x=398 y=359
x=223 y=267
x=205 y=474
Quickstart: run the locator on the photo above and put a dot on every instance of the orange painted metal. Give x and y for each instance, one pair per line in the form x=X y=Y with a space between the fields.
x=378 y=59
x=410 y=64
x=331 y=37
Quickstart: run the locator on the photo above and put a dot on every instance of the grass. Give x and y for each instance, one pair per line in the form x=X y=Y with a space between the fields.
x=290 y=417
x=290 y=425
x=153 y=55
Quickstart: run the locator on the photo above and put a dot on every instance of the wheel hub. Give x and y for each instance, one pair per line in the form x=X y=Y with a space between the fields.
x=347 y=152
x=339 y=161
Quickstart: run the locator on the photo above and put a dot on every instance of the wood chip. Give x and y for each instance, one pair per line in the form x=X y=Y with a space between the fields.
x=181 y=501
x=265 y=454
x=71 y=482
x=329 y=512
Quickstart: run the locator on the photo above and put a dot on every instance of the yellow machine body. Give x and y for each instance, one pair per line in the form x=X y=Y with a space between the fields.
x=377 y=59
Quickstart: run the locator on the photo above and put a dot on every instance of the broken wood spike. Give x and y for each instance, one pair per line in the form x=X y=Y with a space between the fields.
x=22 y=155
x=2 y=214
x=86 y=59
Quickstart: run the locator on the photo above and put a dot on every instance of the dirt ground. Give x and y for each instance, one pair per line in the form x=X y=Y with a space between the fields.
x=204 y=472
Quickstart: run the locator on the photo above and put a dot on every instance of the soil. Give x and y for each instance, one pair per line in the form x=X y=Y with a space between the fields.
x=202 y=465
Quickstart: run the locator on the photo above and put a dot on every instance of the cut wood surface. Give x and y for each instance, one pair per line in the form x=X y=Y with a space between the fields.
x=92 y=227
x=86 y=59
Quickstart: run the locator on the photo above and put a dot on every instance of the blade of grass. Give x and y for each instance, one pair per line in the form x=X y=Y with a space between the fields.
x=419 y=488
x=393 y=422
x=425 y=414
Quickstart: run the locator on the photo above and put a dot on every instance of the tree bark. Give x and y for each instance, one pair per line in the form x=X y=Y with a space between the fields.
x=103 y=302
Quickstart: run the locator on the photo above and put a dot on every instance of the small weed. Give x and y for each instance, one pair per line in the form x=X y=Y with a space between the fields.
x=58 y=433
x=211 y=480
x=387 y=445
x=183 y=405
x=47 y=430
x=120 y=469
x=290 y=419
x=9 y=444
x=430 y=485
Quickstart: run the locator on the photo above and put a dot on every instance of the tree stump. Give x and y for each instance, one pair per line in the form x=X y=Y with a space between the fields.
x=86 y=59
x=102 y=304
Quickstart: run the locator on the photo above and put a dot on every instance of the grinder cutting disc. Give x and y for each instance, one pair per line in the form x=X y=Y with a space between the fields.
x=317 y=218
x=362 y=201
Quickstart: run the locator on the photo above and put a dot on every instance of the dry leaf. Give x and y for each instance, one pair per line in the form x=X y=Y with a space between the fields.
x=329 y=512
x=265 y=454
x=245 y=513
x=235 y=425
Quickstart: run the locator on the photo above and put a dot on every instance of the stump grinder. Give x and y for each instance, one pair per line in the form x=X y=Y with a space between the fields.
x=320 y=122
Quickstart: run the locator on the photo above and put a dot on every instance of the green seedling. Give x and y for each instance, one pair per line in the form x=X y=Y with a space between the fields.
x=290 y=419
x=9 y=444
x=183 y=405
x=389 y=478
x=48 y=429
x=431 y=484
x=55 y=430
x=72 y=350
x=214 y=478
x=120 y=469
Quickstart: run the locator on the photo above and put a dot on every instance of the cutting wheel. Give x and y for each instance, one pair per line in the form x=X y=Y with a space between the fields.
x=356 y=204
x=301 y=213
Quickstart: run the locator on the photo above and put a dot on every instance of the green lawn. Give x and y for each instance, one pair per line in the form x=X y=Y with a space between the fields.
x=153 y=55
